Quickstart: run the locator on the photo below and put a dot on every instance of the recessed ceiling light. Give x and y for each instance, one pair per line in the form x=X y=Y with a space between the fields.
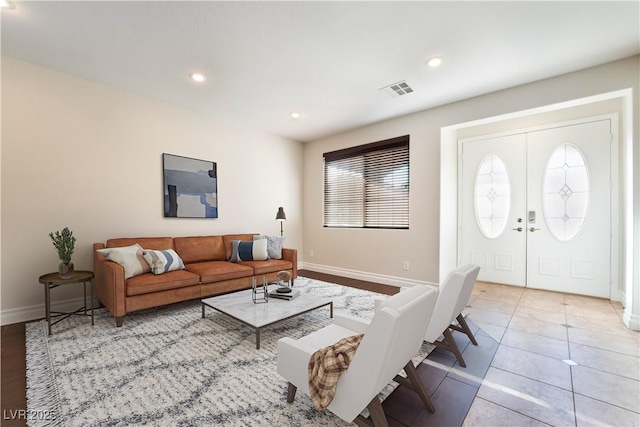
x=434 y=62
x=7 y=4
x=295 y=115
x=197 y=77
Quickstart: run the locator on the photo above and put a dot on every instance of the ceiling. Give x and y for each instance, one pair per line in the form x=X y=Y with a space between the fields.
x=325 y=60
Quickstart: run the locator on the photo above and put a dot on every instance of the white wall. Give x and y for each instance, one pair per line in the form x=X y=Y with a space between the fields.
x=377 y=254
x=79 y=154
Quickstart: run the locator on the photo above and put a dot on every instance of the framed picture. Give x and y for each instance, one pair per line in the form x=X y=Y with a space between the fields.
x=190 y=187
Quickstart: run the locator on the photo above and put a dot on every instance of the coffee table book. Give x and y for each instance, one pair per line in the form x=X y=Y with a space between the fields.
x=289 y=296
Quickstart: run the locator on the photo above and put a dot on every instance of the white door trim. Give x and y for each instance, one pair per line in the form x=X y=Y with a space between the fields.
x=626 y=270
x=615 y=174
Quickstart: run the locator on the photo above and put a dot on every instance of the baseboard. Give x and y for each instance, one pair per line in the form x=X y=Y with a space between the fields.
x=631 y=321
x=622 y=298
x=36 y=312
x=362 y=275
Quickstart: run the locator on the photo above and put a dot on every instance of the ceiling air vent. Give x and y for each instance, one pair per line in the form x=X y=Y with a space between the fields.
x=397 y=89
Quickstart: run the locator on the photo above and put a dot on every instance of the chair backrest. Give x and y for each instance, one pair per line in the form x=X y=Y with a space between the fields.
x=470 y=272
x=448 y=295
x=392 y=338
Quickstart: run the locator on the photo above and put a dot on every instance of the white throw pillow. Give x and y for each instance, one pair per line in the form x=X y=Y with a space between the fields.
x=130 y=257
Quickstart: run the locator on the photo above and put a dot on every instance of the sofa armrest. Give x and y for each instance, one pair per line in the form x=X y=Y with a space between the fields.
x=291 y=255
x=109 y=284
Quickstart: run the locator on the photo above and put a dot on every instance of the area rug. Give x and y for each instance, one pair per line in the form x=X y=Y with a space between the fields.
x=169 y=367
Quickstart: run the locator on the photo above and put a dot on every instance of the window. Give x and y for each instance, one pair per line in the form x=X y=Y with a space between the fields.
x=493 y=196
x=368 y=186
x=566 y=192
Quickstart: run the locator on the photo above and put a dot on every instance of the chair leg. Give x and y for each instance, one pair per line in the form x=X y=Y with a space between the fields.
x=450 y=344
x=418 y=387
x=464 y=328
x=377 y=413
x=362 y=421
x=291 y=392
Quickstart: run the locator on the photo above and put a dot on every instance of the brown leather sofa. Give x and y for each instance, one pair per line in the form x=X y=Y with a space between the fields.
x=207 y=272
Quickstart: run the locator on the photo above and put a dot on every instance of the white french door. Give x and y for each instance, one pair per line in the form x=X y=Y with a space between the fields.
x=536 y=208
x=493 y=206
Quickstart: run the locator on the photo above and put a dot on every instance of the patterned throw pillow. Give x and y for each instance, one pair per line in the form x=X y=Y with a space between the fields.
x=163 y=261
x=249 y=251
x=274 y=245
x=130 y=257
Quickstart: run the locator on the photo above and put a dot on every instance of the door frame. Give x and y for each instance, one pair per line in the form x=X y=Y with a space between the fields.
x=628 y=291
x=614 y=242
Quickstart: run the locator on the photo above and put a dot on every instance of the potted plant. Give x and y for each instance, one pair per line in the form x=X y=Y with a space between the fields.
x=64 y=242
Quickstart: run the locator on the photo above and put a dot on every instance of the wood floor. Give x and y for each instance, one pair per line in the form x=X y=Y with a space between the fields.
x=403 y=408
x=13 y=362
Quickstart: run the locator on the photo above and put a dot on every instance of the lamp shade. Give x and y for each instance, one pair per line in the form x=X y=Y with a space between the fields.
x=280 y=216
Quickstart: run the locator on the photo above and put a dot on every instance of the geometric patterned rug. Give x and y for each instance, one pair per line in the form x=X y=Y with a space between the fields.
x=169 y=367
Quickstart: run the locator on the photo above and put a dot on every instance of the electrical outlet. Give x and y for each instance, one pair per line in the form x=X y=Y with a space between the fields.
x=405 y=266
x=311 y=253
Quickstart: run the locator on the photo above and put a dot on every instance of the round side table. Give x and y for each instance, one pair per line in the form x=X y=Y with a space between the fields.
x=53 y=280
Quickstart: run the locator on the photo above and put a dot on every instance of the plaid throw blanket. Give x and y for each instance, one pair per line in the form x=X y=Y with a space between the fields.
x=326 y=366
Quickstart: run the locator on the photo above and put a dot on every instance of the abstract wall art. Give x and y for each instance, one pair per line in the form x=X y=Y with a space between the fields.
x=190 y=187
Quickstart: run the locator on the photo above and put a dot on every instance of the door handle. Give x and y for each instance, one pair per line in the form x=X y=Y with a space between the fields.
x=532 y=229
x=518 y=229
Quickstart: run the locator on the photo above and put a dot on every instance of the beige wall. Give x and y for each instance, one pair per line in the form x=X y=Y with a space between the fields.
x=79 y=154
x=380 y=254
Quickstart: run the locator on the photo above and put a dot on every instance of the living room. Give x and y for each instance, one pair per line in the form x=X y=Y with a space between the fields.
x=87 y=155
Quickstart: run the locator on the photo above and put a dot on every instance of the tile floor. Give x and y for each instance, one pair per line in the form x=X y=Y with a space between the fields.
x=543 y=358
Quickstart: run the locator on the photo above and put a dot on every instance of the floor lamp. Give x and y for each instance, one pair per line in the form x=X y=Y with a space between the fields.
x=280 y=216
x=284 y=276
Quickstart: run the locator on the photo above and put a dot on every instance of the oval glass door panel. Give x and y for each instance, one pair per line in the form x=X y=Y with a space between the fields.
x=565 y=192
x=492 y=196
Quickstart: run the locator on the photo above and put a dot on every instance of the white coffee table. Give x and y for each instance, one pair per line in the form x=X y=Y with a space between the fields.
x=241 y=307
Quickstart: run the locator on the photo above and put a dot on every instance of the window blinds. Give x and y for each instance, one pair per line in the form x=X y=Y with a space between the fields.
x=368 y=186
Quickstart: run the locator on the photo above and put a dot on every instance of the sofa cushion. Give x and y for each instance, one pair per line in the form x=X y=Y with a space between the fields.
x=274 y=245
x=200 y=248
x=228 y=238
x=249 y=251
x=146 y=242
x=216 y=271
x=162 y=261
x=268 y=266
x=129 y=257
x=147 y=283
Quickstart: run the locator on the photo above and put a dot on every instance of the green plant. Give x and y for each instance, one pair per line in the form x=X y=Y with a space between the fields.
x=64 y=242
